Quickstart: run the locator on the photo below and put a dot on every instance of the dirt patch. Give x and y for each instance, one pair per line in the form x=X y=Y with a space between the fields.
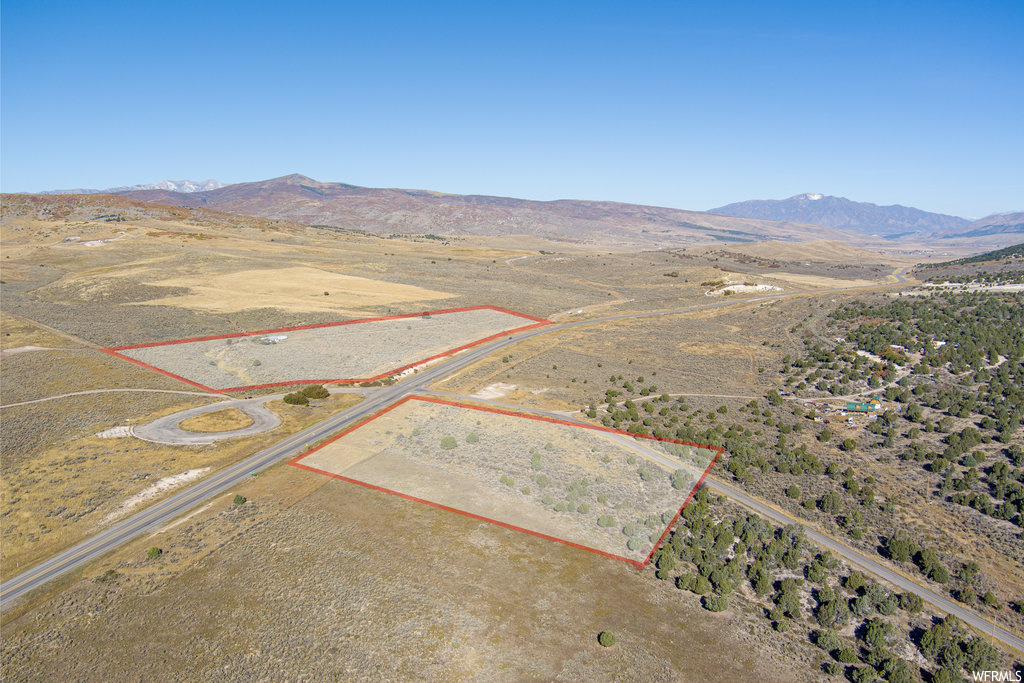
x=225 y=420
x=493 y=391
x=154 y=491
x=816 y=282
x=23 y=349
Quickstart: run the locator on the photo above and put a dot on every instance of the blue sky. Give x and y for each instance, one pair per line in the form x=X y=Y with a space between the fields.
x=683 y=104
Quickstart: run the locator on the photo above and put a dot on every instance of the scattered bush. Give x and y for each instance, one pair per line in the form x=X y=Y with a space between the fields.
x=606 y=638
x=108 y=576
x=715 y=603
x=315 y=391
x=830 y=502
x=296 y=398
x=855 y=581
x=684 y=582
x=827 y=640
x=448 y=443
x=647 y=473
x=911 y=602
x=154 y=553
x=238 y=499
x=681 y=480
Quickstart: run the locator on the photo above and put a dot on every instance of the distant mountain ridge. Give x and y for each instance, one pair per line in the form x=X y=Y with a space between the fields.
x=183 y=186
x=301 y=199
x=838 y=212
x=996 y=224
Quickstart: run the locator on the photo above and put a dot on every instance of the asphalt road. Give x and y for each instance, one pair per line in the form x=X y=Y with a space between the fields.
x=163 y=511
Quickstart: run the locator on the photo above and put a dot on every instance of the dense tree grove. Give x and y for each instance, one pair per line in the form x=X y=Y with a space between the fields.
x=714 y=555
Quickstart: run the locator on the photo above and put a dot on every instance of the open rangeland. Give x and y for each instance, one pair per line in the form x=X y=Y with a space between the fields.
x=320 y=576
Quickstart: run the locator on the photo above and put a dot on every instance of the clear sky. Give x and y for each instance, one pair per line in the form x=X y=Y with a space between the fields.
x=684 y=104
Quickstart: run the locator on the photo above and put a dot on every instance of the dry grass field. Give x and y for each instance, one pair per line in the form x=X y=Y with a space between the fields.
x=218 y=421
x=724 y=351
x=294 y=289
x=318 y=578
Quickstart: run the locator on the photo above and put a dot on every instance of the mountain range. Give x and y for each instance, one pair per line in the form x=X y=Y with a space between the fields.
x=300 y=199
x=889 y=222
x=996 y=224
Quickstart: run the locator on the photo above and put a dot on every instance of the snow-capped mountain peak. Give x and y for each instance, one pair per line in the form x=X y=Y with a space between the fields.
x=169 y=185
x=179 y=186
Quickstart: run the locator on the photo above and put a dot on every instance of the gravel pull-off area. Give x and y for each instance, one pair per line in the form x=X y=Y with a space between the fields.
x=360 y=350
x=166 y=429
x=558 y=480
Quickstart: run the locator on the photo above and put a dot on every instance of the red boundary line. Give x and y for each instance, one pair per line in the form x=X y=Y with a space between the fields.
x=639 y=565
x=538 y=322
